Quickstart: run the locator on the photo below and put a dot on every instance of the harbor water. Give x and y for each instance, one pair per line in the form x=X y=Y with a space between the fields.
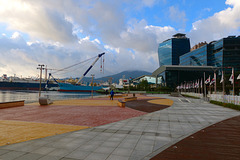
x=32 y=96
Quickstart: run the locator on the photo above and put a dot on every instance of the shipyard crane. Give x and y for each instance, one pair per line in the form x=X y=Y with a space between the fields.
x=72 y=88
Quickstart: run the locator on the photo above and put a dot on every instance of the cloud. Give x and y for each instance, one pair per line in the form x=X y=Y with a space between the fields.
x=144 y=38
x=37 y=21
x=148 y=3
x=177 y=16
x=221 y=24
x=18 y=57
x=92 y=27
x=61 y=33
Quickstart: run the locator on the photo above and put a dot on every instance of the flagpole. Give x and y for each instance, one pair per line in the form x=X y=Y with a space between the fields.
x=205 y=92
x=223 y=85
x=233 y=79
x=215 y=87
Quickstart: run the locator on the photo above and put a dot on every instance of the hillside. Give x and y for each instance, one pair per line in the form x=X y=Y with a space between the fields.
x=127 y=74
x=116 y=77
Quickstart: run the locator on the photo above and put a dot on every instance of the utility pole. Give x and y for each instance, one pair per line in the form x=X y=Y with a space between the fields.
x=92 y=84
x=46 y=73
x=41 y=68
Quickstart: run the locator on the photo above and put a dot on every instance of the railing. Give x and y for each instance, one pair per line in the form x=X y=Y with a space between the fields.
x=199 y=95
x=226 y=99
x=217 y=97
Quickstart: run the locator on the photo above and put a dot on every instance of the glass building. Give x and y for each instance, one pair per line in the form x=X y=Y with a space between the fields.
x=170 y=50
x=197 y=57
x=222 y=53
x=178 y=64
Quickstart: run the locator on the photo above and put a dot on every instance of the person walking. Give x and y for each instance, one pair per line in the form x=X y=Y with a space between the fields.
x=112 y=94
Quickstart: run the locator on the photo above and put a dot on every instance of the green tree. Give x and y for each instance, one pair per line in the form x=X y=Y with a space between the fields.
x=143 y=85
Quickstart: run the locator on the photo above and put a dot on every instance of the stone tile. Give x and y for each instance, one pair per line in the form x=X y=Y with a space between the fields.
x=127 y=145
x=116 y=157
x=3 y=151
x=50 y=158
x=11 y=155
x=43 y=150
x=110 y=144
x=136 y=132
x=78 y=154
x=122 y=152
x=89 y=147
x=59 y=152
x=97 y=156
x=144 y=147
x=67 y=159
x=105 y=150
x=123 y=131
x=29 y=156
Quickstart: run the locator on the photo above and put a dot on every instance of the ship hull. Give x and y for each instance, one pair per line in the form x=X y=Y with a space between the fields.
x=65 y=87
x=23 y=86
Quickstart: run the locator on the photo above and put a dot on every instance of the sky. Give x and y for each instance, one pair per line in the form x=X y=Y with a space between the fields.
x=61 y=33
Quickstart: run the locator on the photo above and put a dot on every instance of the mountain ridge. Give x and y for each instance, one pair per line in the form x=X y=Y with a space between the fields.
x=116 y=77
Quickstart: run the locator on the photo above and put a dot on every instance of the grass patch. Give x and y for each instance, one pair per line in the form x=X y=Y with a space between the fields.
x=228 y=105
x=185 y=95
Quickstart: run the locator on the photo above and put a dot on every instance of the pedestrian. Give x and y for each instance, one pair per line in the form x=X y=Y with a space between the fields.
x=112 y=94
x=106 y=92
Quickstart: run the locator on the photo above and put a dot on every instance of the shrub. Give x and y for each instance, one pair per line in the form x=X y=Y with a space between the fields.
x=228 y=105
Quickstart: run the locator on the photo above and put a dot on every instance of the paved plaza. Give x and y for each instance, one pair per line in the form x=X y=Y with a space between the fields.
x=136 y=138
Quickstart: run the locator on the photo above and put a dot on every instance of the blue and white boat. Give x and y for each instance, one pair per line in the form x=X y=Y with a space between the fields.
x=67 y=87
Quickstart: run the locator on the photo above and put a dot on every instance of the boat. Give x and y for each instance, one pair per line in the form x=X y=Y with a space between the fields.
x=68 y=87
x=16 y=83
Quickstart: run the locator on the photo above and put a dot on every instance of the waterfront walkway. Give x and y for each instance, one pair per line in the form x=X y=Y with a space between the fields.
x=144 y=136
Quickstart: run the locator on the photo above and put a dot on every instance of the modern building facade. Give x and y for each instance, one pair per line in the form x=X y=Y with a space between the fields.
x=222 y=53
x=170 y=50
x=197 y=57
x=209 y=58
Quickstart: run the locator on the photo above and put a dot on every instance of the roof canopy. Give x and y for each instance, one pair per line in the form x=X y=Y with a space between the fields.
x=184 y=68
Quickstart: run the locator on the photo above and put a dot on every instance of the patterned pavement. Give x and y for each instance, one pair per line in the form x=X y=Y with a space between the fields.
x=140 y=137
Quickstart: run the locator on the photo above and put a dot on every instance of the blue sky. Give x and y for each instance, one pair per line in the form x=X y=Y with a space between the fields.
x=59 y=33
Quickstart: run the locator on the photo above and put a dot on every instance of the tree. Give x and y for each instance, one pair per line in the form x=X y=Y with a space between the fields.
x=143 y=85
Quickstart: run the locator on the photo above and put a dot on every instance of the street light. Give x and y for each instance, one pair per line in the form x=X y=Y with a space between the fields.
x=41 y=68
x=92 y=83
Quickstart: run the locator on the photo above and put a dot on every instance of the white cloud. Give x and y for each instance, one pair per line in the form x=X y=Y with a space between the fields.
x=52 y=25
x=35 y=20
x=177 y=16
x=148 y=3
x=63 y=33
x=221 y=24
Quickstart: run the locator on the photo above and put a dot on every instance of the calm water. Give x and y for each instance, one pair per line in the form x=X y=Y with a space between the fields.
x=32 y=96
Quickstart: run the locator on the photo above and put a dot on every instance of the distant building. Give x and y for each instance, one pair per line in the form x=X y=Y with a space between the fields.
x=151 y=79
x=170 y=50
x=198 y=45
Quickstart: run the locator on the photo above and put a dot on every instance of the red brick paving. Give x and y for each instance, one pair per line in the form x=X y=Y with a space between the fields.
x=72 y=115
x=144 y=106
x=220 y=141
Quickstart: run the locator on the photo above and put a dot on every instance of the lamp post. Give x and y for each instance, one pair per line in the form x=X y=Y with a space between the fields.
x=40 y=82
x=92 y=83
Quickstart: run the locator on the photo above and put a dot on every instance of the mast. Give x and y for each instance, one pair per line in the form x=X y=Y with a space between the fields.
x=99 y=56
